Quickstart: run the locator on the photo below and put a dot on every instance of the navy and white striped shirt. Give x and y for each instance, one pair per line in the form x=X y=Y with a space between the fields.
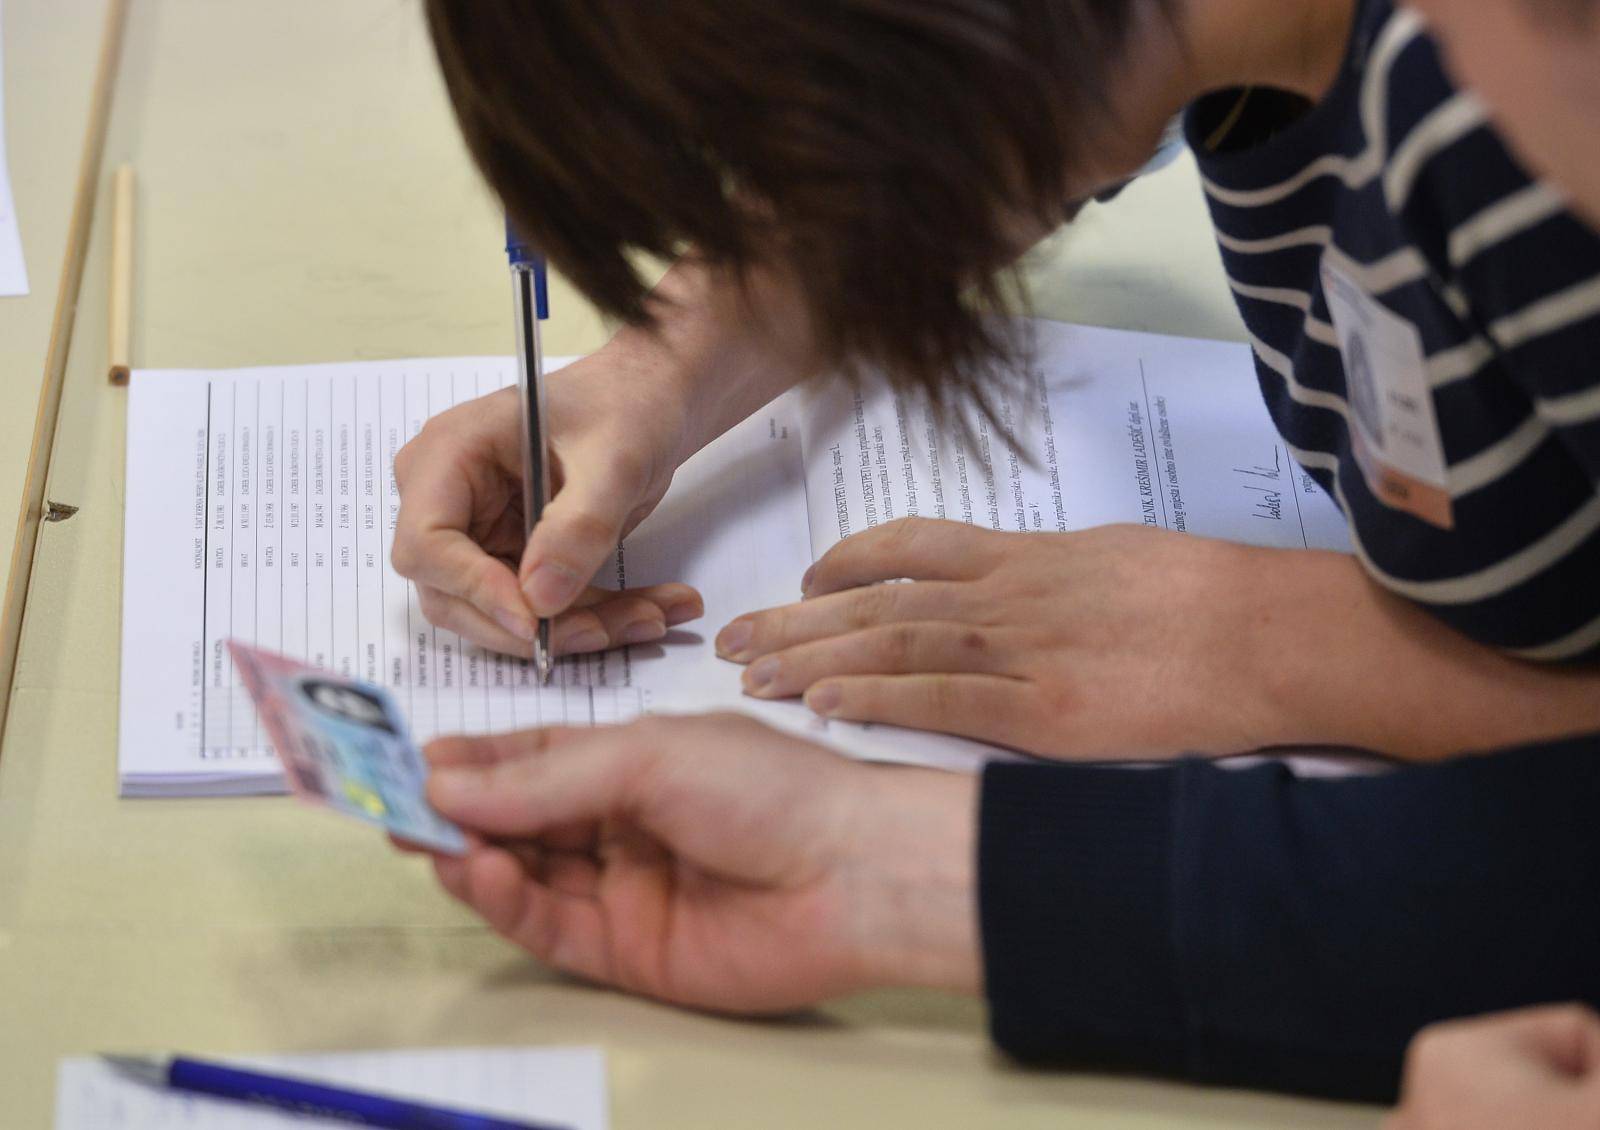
x=1398 y=180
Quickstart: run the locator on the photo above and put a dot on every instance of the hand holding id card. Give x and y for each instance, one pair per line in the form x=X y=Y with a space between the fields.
x=344 y=746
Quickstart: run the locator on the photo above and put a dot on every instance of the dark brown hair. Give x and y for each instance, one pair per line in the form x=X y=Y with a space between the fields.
x=885 y=152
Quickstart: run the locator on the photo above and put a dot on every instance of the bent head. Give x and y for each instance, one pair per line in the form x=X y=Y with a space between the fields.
x=890 y=156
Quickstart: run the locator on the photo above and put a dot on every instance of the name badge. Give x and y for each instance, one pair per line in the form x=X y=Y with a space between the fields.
x=1393 y=428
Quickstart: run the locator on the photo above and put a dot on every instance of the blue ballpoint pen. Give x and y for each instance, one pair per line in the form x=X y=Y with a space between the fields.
x=532 y=306
x=303 y=1097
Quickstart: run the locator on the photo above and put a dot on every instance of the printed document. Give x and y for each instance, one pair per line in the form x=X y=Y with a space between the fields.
x=261 y=506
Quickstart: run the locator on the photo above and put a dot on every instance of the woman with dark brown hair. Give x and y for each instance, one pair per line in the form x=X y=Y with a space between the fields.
x=841 y=183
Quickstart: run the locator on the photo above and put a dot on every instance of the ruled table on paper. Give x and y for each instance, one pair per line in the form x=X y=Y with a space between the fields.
x=262 y=506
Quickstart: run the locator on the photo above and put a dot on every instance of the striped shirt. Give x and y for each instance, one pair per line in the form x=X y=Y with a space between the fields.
x=1397 y=183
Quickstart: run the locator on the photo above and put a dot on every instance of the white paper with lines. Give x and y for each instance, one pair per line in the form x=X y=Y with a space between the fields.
x=261 y=505
x=560 y=1086
x=13 y=271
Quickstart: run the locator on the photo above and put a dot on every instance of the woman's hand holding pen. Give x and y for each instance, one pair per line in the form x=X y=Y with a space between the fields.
x=459 y=536
x=714 y=862
x=622 y=420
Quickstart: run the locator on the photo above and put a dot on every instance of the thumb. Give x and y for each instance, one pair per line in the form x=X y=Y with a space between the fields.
x=579 y=531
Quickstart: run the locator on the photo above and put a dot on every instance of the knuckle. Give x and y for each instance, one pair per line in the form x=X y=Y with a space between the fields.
x=772 y=628
x=869 y=606
x=1569 y=1023
x=899 y=645
x=1059 y=698
x=479 y=588
x=1431 y=1050
x=403 y=460
x=432 y=604
x=576 y=622
x=588 y=529
x=943 y=697
x=903 y=533
x=427 y=435
x=403 y=556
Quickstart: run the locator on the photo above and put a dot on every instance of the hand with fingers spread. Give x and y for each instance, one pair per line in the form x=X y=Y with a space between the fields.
x=713 y=862
x=1537 y=1067
x=1119 y=642
x=1126 y=642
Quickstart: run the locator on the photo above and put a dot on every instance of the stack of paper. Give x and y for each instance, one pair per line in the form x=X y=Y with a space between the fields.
x=261 y=506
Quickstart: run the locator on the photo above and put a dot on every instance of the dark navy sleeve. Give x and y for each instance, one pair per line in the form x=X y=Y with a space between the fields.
x=1253 y=928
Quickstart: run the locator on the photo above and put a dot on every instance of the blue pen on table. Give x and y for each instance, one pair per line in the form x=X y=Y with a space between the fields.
x=532 y=306
x=303 y=1097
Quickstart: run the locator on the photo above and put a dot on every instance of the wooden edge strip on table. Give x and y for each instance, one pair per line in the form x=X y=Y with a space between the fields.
x=120 y=352
x=55 y=366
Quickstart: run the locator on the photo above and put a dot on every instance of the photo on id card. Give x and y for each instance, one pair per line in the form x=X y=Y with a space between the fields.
x=344 y=745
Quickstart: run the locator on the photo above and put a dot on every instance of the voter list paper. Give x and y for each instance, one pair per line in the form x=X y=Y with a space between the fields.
x=261 y=506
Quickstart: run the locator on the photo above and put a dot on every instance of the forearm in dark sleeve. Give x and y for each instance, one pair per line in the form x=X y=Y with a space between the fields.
x=1253 y=928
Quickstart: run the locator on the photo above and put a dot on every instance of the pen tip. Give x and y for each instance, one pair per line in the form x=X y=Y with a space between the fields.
x=543 y=660
x=145 y=1069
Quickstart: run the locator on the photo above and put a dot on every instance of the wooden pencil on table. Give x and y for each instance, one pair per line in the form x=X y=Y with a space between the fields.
x=121 y=271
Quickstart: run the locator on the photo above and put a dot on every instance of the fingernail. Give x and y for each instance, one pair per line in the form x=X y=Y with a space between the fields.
x=643 y=631
x=805 y=581
x=761 y=673
x=732 y=640
x=551 y=587
x=591 y=639
x=683 y=612
x=824 y=700
x=520 y=626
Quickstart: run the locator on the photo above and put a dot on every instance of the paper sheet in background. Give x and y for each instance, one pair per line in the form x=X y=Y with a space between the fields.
x=261 y=506
x=13 y=272
x=561 y=1086
x=1110 y=426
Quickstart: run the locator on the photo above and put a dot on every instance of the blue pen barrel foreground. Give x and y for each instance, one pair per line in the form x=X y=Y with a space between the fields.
x=303 y=1097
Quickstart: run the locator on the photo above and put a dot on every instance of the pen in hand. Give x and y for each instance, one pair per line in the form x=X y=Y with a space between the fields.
x=532 y=306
